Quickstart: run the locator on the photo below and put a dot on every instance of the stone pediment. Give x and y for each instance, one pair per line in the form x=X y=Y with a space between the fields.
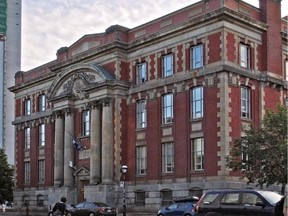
x=76 y=80
x=82 y=171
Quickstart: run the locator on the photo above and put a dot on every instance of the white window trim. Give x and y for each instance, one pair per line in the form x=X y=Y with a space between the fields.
x=246 y=109
x=197 y=98
x=141 y=114
x=167 y=109
x=196 y=60
x=167 y=67
x=141 y=152
x=245 y=56
x=168 y=157
x=197 y=153
x=141 y=70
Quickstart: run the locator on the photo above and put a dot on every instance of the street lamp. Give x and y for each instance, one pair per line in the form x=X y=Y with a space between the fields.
x=124 y=169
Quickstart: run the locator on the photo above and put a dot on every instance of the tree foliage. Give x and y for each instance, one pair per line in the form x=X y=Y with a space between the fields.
x=261 y=155
x=6 y=177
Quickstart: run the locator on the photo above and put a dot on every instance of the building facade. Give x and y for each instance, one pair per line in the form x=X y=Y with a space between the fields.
x=10 y=63
x=166 y=98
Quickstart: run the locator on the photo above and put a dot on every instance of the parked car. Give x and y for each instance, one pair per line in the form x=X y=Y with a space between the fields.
x=242 y=202
x=183 y=207
x=282 y=207
x=68 y=206
x=91 y=209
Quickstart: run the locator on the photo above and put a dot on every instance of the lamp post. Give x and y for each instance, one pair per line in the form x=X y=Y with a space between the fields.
x=124 y=169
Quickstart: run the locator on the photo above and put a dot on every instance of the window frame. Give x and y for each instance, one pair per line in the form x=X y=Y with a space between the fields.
x=197 y=57
x=141 y=114
x=42 y=103
x=286 y=69
x=139 y=195
x=167 y=66
x=245 y=102
x=41 y=134
x=41 y=171
x=245 y=56
x=141 y=160
x=85 y=122
x=197 y=153
x=167 y=157
x=197 y=102
x=141 y=73
x=27 y=172
x=27 y=138
x=27 y=107
x=167 y=108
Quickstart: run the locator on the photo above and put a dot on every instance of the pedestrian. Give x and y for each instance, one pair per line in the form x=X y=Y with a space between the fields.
x=2 y=202
x=60 y=207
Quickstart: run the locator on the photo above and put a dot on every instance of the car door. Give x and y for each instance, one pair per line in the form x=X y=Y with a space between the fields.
x=230 y=204
x=171 y=209
x=253 y=205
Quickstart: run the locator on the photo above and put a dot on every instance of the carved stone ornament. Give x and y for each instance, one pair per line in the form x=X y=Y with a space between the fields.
x=77 y=84
x=75 y=81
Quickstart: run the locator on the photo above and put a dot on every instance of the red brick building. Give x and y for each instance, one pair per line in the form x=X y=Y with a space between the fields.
x=166 y=98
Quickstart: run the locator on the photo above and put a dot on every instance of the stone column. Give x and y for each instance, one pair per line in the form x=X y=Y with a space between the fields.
x=107 y=142
x=95 y=155
x=58 y=150
x=68 y=148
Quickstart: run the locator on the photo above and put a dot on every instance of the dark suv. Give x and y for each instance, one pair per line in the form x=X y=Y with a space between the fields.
x=242 y=202
x=180 y=207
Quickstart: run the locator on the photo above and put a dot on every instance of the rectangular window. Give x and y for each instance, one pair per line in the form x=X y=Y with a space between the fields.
x=197 y=56
x=140 y=198
x=41 y=130
x=286 y=65
x=167 y=65
x=244 y=155
x=41 y=171
x=42 y=103
x=167 y=157
x=167 y=197
x=197 y=102
x=245 y=102
x=27 y=172
x=245 y=60
x=167 y=108
x=28 y=107
x=197 y=154
x=86 y=123
x=141 y=154
x=141 y=114
x=141 y=73
x=27 y=138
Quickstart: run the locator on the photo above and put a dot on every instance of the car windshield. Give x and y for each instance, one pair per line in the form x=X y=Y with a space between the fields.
x=271 y=197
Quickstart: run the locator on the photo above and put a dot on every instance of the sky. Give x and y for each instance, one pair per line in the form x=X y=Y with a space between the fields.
x=51 y=24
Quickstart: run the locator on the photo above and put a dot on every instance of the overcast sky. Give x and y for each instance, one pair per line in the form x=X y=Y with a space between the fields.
x=48 y=25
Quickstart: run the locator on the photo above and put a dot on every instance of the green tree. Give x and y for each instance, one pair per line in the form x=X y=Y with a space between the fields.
x=6 y=177
x=261 y=155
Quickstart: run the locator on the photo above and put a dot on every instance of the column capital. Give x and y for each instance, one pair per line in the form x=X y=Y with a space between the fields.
x=106 y=101
x=95 y=104
x=68 y=111
x=58 y=114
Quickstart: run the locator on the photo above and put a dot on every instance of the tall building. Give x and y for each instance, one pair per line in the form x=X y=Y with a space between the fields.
x=10 y=63
x=166 y=98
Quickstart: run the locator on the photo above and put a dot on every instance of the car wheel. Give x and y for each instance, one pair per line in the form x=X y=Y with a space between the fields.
x=160 y=215
x=91 y=214
x=50 y=214
x=69 y=214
